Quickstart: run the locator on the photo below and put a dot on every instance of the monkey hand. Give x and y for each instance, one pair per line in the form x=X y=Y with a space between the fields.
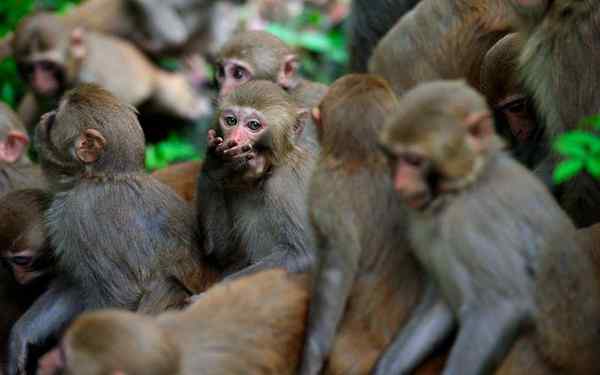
x=18 y=353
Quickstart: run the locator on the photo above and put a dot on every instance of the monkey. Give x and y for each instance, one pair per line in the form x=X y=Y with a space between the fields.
x=367 y=278
x=251 y=199
x=491 y=238
x=261 y=55
x=27 y=263
x=440 y=39
x=121 y=239
x=252 y=325
x=369 y=21
x=515 y=116
x=562 y=86
x=16 y=169
x=53 y=58
x=181 y=177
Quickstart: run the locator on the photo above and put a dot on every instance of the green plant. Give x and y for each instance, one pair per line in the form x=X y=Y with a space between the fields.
x=173 y=149
x=581 y=149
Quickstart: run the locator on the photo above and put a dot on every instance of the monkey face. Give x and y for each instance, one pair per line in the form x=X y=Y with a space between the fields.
x=46 y=78
x=245 y=134
x=231 y=74
x=517 y=113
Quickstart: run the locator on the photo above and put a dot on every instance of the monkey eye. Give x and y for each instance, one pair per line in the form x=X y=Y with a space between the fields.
x=518 y=106
x=231 y=120
x=220 y=71
x=413 y=160
x=239 y=73
x=253 y=125
x=22 y=261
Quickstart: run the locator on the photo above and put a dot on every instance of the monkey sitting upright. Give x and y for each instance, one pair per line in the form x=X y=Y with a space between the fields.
x=501 y=256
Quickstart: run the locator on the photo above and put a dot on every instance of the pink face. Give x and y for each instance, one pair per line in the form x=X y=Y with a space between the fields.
x=44 y=77
x=243 y=127
x=231 y=74
x=409 y=181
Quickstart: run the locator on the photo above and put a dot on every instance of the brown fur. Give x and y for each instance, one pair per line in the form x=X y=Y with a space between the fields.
x=354 y=213
x=182 y=178
x=559 y=66
x=110 y=62
x=252 y=325
x=440 y=39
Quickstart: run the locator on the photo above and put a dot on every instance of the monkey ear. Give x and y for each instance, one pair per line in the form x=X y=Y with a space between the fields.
x=316 y=115
x=14 y=146
x=288 y=73
x=78 y=50
x=480 y=130
x=89 y=146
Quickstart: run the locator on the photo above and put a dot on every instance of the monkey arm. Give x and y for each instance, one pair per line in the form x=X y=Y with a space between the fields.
x=29 y=112
x=430 y=323
x=338 y=266
x=46 y=317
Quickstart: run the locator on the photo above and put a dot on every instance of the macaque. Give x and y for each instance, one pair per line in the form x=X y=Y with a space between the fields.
x=27 y=262
x=370 y=20
x=500 y=255
x=253 y=325
x=440 y=39
x=367 y=281
x=52 y=58
x=16 y=170
x=514 y=113
x=182 y=178
x=252 y=189
x=121 y=238
x=259 y=55
x=559 y=64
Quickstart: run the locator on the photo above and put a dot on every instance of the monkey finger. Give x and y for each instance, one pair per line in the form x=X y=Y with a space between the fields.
x=238 y=150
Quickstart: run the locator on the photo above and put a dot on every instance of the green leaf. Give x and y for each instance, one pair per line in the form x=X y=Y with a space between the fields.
x=593 y=167
x=567 y=170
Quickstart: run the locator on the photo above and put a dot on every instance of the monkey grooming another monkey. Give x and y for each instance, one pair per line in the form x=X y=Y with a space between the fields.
x=500 y=255
x=252 y=325
x=252 y=189
x=367 y=282
x=16 y=170
x=53 y=57
x=121 y=238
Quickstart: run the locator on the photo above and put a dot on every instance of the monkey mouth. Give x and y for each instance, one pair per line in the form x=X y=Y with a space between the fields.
x=417 y=201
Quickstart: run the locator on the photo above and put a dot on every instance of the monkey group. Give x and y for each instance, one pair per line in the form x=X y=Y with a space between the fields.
x=402 y=220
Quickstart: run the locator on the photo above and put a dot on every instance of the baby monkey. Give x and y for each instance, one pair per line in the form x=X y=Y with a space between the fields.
x=499 y=252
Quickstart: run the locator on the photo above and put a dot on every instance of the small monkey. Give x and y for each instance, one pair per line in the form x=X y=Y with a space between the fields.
x=501 y=256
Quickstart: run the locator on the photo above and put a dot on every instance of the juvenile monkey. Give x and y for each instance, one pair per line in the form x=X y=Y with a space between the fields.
x=53 y=57
x=367 y=282
x=259 y=55
x=121 y=238
x=252 y=189
x=253 y=325
x=16 y=170
x=500 y=255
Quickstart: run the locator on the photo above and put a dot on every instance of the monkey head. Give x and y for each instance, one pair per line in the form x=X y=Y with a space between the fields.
x=13 y=137
x=256 y=55
x=112 y=343
x=258 y=126
x=438 y=141
x=90 y=134
x=505 y=91
x=351 y=114
x=48 y=54
x=24 y=242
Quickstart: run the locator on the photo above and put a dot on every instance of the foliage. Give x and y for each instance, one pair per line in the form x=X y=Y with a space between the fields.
x=172 y=150
x=581 y=149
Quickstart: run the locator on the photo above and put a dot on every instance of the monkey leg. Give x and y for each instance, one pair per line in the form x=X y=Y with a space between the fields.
x=175 y=95
x=430 y=324
x=485 y=336
x=46 y=317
